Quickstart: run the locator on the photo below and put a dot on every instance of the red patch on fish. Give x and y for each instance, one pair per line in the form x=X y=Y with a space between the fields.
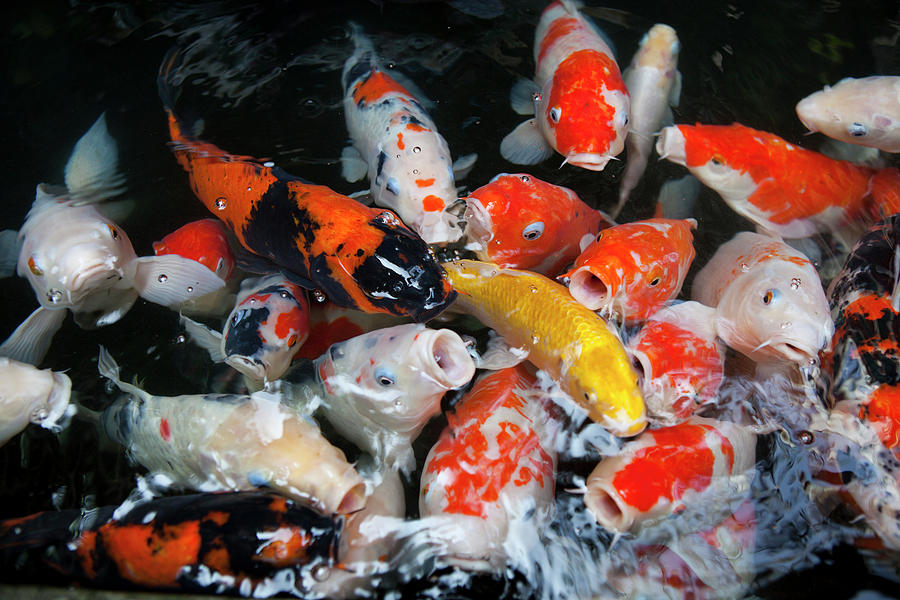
x=400 y=143
x=204 y=241
x=164 y=432
x=432 y=203
x=376 y=86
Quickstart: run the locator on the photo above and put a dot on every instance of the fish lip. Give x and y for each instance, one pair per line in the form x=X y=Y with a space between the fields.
x=85 y=275
x=248 y=366
x=589 y=288
x=671 y=145
x=793 y=350
x=479 y=226
x=448 y=360
x=441 y=231
x=588 y=160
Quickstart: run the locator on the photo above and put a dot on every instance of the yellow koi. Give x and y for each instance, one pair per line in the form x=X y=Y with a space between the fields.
x=565 y=339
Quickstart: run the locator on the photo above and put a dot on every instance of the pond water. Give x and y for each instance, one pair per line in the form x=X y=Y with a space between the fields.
x=265 y=79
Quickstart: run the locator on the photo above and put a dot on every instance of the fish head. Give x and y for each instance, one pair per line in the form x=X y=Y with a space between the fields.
x=76 y=258
x=583 y=110
x=776 y=311
x=396 y=376
x=402 y=276
x=659 y=46
x=205 y=241
x=414 y=177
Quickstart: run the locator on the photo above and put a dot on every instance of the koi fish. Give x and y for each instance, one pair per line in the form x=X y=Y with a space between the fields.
x=77 y=259
x=779 y=186
x=269 y=323
x=863 y=360
x=398 y=144
x=579 y=100
x=663 y=470
x=330 y=324
x=863 y=111
x=682 y=360
x=493 y=463
x=30 y=395
x=193 y=440
x=518 y=221
x=380 y=388
x=631 y=270
x=654 y=84
x=769 y=300
x=562 y=337
x=358 y=256
x=884 y=186
x=255 y=542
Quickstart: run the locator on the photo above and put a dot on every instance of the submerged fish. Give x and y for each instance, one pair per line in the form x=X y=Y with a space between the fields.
x=266 y=328
x=358 y=256
x=31 y=395
x=863 y=111
x=253 y=542
x=398 y=144
x=218 y=442
x=330 y=324
x=579 y=100
x=562 y=337
x=518 y=221
x=631 y=270
x=769 y=300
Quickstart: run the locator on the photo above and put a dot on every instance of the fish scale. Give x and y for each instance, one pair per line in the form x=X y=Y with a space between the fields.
x=568 y=341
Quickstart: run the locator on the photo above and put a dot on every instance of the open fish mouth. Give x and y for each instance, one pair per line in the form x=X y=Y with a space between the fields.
x=91 y=276
x=589 y=289
x=790 y=349
x=588 y=160
x=248 y=366
x=479 y=227
x=670 y=145
x=447 y=359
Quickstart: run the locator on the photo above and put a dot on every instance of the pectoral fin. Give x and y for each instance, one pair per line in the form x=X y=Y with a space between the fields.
x=463 y=165
x=31 y=340
x=522 y=96
x=353 y=167
x=170 y=279
x=206 y=338
x=9 y=252
x=525 y=145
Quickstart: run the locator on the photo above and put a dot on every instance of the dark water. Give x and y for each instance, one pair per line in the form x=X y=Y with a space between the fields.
x=267 y=83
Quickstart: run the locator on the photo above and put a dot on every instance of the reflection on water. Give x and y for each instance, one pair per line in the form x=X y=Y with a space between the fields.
x=265 y=80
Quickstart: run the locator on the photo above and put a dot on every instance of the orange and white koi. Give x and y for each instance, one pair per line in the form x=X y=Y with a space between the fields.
x=863 y=111
x=31 y=395
x=518 y=221
x=781 y=187
x=572 y=344
x=663 y=470
x=398 y=144
x=494 y=462
x=221 y=442
x=579 y=100
x=654 y=83
x=682 y=360
x=266 y=328
x=631 y=270
x=769 y=300
x=358 y=256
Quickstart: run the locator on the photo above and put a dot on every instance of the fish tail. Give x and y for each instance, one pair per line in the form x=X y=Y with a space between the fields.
x=363 y=58
x=165 y=79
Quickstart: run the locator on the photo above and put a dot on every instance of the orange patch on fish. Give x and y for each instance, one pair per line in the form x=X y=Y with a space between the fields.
x=432 y=203
x=424 y=182
x=323 y=335
x=557 y=29
x=164 y=431
x=400 y=143
x=883 y=411
x=151 y=555
x=416 y=127
x=288 y=322
x=869 y=306
x=376 y=86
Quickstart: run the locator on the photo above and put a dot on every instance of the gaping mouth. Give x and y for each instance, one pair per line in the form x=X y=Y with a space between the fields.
x=479 y=228
x=588 y=160
x=589 y=289
x=90 y=276
x=447 y=359
x=670 y=145
x=248 y=366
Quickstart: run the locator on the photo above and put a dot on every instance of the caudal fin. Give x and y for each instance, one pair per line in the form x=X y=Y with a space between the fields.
x=92 y=172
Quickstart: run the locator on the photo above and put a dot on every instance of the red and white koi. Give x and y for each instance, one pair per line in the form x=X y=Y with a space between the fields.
x=579 y=100
x=518 y=221
x=398 y=144
x=662 y=471
x=769 y=300
x=863 y=111
x=682 y=360
x=217 y=442
x=631 y=270
x=494 y=462
x=654 y=83
x=31 y=395
x=269 y=323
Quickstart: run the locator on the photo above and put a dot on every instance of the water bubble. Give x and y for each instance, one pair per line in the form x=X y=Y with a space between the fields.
x=390 y=65
x=284 y=294
x=249 y=189
x=398 y=403
x=795 y=283
x=221 y=202
x=319 y=295
x=745 y=267
x=525 y=178
x=54 y=295
x=162 y=278
x=785 y=324
x=39 y=414
x=320 y=572
x=415 y=171
x=190 y=289
x=416 y=150
x=533 y=289
x=398 y=156
x=535 y=339
x=269 y=164
x=806 y=437
x=180 y=339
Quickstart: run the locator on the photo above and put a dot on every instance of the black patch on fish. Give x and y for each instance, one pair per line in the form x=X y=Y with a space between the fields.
x=277 y=289
x=243 y=337
x=411 y=118
x=331 y=287
x=358 y=70
x=119 y=419
x=382 y=157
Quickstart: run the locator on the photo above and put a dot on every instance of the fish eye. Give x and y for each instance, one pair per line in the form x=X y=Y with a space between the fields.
x=33 y=267
x=857 y=130
x=533 y=231
x=655 y=282
x=717 y=160
x=599 y=235
x=113 y=232
x=525 y=178
x=555 y=114
x=384 y=377
x=769 y=297
x=292 y=341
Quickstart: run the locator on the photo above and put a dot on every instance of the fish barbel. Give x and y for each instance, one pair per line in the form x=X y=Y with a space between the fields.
x=568 y=341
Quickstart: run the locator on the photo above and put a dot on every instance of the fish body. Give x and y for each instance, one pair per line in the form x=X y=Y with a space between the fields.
x=248 y=541
x=398 y=144
x=30 y=395
x=218 y=442
x=884 y=187
x=769 y=300
x=682 y=360
x=493 y=463
x=379 y=389
x=781 y=187
x=266 y=328
x=663 y=470
x=863 y=111
x=562 y=337
x=654 y=83
x=518 y=221
x=205 y=241
x=631 y=270
x=580 y=102
x=358 y=256
x=330 y=324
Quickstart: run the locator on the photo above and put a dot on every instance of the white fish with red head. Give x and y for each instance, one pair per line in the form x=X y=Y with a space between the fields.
x=76 y=258
x=863 y=111
x=398 y=144
x=578 y=97
x=30 y=395
x=266 y=328
x=769 y=300
x=379 y=389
